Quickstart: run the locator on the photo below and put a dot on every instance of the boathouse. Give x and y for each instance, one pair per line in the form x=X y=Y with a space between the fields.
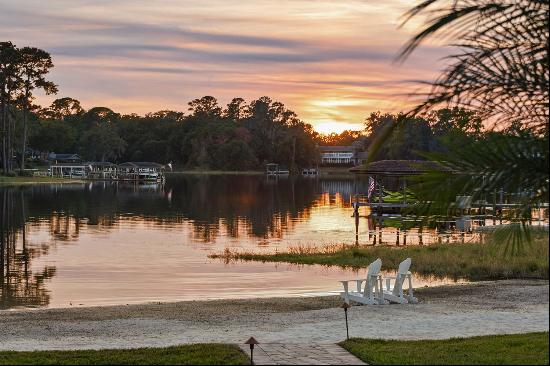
x=391 y=175
x=140 y=171
x=396 y=167
x=67 y=170
x=101 y=170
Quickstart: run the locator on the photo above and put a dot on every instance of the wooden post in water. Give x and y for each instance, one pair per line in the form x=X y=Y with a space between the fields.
x=494 y=207
x=501 y=204
x=356 y=214
x=380 y=232
x=404 y=191
x=397 y=237
x=380 y=198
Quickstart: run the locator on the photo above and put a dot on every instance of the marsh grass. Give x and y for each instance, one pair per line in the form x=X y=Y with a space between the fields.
x=507 y=349
x=191 y=354
x=472 y=261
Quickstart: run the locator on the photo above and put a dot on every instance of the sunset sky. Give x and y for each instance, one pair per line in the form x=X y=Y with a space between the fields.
x=329 y=61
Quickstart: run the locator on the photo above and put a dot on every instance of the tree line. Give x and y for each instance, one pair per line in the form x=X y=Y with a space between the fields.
x=238 y=136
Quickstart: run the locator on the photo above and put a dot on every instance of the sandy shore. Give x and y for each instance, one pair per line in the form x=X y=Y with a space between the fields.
x=446 y=311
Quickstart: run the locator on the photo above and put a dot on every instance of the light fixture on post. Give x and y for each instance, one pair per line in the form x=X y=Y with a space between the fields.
x=251 y=341
x=345 y=306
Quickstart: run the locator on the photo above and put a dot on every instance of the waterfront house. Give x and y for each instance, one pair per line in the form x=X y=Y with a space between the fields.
x=54 y=158
x=343 y=155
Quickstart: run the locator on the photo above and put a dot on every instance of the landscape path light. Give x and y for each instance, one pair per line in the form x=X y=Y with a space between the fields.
x=346 y=306
x=252 y=341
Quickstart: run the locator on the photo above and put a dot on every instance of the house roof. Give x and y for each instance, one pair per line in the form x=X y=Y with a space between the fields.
x=76 y=164
x=398 y=167
x=63 y=156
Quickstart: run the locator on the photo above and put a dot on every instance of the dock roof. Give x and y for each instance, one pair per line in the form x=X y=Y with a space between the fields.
x=398 y=167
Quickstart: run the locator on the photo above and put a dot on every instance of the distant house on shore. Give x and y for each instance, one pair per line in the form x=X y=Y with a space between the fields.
x=64 y=158
x=350 y=155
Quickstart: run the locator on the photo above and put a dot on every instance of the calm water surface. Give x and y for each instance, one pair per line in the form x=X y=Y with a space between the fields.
x=107 y=243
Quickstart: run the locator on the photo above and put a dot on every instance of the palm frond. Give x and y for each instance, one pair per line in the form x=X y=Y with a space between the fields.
x=495 y=170
x=501 y=70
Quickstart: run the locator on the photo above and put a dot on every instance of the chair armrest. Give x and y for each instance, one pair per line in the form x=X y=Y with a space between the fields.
x=390 y=277
x=358 y=280
x=358 y=284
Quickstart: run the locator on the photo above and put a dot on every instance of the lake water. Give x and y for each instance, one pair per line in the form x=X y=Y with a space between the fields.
x=102 y=243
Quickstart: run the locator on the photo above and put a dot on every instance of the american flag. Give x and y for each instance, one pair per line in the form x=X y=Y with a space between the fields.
x=371 y=187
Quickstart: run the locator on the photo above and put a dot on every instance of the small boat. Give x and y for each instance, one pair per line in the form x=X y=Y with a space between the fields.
x=310 y=171
x=273 y=169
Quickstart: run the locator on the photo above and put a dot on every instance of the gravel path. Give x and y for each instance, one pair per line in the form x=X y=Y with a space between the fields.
x=444 y=312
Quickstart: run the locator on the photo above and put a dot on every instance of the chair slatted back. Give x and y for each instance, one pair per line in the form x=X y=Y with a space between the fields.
x=401 y=272
x=373 y=270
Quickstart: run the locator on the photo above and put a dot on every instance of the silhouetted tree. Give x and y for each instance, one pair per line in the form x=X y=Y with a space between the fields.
x=34 y=65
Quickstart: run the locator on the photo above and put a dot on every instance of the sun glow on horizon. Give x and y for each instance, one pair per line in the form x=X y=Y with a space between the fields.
x=328 y=127
x=323 y=60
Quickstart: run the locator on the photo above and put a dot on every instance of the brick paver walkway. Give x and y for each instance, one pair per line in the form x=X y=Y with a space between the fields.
x=301 y=354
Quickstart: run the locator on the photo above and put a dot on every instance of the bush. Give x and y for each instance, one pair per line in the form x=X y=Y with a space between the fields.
x=25 y=173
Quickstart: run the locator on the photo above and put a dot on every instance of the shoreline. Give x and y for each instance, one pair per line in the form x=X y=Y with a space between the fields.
x=282 y=303
x=16 y=181
x=216 y=172
x=482 y=308
x=19 y=181
x=322 y=171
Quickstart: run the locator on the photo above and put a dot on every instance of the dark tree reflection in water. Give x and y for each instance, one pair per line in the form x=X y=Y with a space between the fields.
x=52 y=233
x=19 y=286
x=236 y=205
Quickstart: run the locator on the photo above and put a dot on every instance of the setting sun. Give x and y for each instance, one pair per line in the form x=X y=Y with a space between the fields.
x=328 y=127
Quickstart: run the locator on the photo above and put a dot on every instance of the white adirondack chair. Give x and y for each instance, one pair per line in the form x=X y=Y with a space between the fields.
x=395 y=293
x=371 y=293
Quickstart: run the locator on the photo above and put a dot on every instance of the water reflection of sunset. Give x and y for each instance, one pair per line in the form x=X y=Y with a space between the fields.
x=110 y=243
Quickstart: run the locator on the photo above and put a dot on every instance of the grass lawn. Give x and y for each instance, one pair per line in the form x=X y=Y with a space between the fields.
x=193 y=354
x=34 y=180
x=470 y=261
x=512 y=349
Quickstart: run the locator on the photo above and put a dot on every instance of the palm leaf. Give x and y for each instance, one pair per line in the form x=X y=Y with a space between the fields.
x=501 y=68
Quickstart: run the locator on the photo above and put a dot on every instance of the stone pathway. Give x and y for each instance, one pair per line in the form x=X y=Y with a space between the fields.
x=301 y=354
